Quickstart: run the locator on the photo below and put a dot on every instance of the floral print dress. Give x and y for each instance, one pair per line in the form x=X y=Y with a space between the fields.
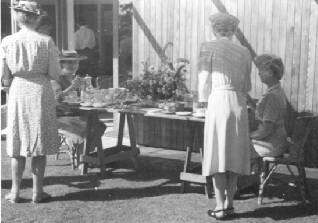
x=32 y=60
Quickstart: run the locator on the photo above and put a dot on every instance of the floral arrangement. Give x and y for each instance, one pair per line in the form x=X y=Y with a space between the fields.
x=165 y=82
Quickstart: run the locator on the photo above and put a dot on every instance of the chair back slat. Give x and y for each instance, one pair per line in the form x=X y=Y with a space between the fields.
x=301 y=131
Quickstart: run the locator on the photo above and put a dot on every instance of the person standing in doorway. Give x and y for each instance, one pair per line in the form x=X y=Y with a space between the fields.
x=224 y=80
x=30 y=59
x=85 y=44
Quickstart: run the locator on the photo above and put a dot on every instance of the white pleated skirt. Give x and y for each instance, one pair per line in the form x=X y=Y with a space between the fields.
x=226 y=134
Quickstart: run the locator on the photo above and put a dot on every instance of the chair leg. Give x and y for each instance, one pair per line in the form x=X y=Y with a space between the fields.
x=302 y=184
x=78 y=154
x=268 y=172
x=61 y=143
x=208 y=187
x=72 y=156
x=263 y=176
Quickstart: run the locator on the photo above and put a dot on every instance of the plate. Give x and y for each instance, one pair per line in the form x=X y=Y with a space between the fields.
x=72 y=102
x=167 y=112
x=86 y=104
x=197 y=115
x=153 y=110
x=99 y=105
x=184 y=113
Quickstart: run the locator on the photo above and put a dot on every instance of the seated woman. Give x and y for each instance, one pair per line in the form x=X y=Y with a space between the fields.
x=269 y=139
x=70 y=123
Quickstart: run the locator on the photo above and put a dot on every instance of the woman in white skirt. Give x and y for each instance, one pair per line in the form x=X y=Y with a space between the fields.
x=31 y=59
x=224 y=80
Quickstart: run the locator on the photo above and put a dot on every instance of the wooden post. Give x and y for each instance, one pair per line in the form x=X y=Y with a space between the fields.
x=14 y=27
x=58 y=22
x=70 y=24
x=100 y=33
x=115 y=44
x=115 y=54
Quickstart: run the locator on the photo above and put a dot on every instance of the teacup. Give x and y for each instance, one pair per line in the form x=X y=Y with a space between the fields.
x=171 y=107
x=201 y=111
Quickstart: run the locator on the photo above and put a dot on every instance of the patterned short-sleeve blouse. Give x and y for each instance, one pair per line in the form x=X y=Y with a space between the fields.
x=272 y=108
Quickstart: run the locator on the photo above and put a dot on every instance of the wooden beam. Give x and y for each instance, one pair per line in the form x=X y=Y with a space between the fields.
x=115 y=44
x=14 y=26
x=192 y=177
x=70 y=24
x=239 y=34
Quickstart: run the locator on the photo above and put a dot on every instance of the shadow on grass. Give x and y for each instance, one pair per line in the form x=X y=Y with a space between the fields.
x=81 y=182
x=165 y=188
x=281 y=212
x=150 y=169
x=281 y=186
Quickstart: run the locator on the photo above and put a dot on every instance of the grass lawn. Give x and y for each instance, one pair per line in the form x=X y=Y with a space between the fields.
x=149 y=194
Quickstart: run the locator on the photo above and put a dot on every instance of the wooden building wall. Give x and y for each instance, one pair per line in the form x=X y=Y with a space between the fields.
x=288 y=28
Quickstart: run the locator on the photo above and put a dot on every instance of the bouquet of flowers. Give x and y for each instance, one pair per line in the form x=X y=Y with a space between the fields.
x=165 y=82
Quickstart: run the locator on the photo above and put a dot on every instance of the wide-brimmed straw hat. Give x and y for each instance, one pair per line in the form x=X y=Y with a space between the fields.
x=71 y=55
x=32 y=7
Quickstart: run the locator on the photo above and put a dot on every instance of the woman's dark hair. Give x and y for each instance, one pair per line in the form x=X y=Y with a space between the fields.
x=277 y=67
x=46 y=21
x=26 y=18
x=271 y=62
x=82 y=21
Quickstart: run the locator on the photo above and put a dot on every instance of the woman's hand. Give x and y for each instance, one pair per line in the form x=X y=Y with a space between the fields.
x=202 y=104
x=76 y=83
x=59 y=96
x=250 y=102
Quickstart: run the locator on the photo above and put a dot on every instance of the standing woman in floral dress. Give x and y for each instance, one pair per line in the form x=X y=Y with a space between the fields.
x=31 y=59
x=224 y=80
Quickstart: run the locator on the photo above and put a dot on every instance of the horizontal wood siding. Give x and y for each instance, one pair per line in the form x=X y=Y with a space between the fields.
x=288 y=28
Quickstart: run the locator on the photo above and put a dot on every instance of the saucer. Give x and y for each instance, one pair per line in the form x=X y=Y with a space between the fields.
x=86 y=104
x=100 y=105
x=183 y=113
x=72 y=102
x=198 y=115
x=167 y=112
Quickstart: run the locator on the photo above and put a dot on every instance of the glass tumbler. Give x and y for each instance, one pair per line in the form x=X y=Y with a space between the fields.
x=98 y=96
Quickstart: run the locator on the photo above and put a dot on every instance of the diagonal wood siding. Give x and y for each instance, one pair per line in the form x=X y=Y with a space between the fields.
x=288 y=28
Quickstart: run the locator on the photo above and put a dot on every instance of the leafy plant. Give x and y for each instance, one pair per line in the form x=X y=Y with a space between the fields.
x=165 y=82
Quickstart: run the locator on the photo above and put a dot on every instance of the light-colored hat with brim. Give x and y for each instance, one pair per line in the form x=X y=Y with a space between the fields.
x=71 y=55
x=32 y=7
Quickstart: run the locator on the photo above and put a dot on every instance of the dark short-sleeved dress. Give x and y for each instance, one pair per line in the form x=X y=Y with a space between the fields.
x=272 y=108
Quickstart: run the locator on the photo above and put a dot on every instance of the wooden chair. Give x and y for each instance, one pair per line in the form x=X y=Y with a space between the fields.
x=295 y=156
x=71 y=150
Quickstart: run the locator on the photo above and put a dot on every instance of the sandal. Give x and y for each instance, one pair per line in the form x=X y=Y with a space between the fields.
x=41 y=198
x=217 y=214
x=229 y=211
x=12 y=198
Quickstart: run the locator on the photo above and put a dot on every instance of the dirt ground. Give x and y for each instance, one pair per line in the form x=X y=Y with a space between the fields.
x=149 y=194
